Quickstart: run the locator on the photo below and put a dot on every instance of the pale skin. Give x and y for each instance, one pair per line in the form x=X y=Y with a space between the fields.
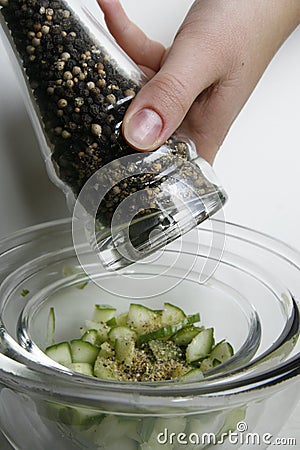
x=203 y=80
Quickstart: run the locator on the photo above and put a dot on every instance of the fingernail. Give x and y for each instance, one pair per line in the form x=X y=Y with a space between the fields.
x=143 y=129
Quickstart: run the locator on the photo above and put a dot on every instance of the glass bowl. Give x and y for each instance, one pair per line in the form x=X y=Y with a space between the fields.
x=247 y=290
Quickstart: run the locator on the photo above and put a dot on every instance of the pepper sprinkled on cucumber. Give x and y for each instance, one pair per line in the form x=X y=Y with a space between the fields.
x=142 y=344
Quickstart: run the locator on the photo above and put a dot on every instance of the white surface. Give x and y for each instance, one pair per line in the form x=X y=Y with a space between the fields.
x=258 y=163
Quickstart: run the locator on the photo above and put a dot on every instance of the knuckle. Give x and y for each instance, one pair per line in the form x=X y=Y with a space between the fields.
x=171 y=93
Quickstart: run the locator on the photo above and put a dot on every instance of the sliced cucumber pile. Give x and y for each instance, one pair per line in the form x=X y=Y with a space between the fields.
x=142 y=344
x=121 y=432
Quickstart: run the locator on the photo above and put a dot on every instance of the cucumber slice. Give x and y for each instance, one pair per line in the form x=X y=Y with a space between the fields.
x=192 y=375
x=121 y=333
x=106 y=351
x=125 y=350
x=124 y=443
x=168 y=335
x=232 y=418
x=155 y=446
x=164 y=426
x=103 y=313
x=51 y=327
x=171 y=314
x=115 y=433
x=83 y=352
x=145 y=428
x=206 y=364
x=79 y=417
x=164 y=351
x=105 y=369
x=221 y=352
x=92 y=336
x=69 y=270
x=168 y=330
x=122 y=319
x=61 y=353
x=112 y=322
x=142 y=318
x=102 y=329
x=206 y=426
x=200 y=346
x=84 y=368
x=24 y=292
x=184 y=337
x=84 y=283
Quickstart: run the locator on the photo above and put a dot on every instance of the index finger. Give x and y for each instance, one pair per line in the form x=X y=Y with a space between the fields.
x=143 y=50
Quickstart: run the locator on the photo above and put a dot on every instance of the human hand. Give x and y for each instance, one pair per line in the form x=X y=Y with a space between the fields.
x=204 y=79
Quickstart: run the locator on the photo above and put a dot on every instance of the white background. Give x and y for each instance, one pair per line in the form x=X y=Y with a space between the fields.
x=259 y=163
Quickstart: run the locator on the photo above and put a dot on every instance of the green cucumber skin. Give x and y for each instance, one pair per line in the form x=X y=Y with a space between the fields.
x=167 y=331
x=183 y=337
x=101 y=328
x=139 y=317
x=103 y=313
x=83 y=352
x=120 y=332
x=51 y=327
x=92 y=337
x=61 y=353
x=102 y=370
x=106 y=351
x=122 y=319
x=109 y=431
x=222 y=351
x=192 y=375
x=83 y=368
x=200 y=346
x=118 y=340
x=125 y=350
x=171 y=314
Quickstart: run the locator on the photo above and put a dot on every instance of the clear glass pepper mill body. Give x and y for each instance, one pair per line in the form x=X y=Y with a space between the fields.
x=79 y=85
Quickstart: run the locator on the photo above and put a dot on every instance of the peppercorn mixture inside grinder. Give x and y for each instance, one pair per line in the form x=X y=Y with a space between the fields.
x=80 y=85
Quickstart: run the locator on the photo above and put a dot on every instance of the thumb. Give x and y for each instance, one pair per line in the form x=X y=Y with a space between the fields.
x=162 y=104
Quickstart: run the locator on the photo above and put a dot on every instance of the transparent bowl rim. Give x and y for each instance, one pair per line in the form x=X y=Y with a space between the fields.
x=29 y=375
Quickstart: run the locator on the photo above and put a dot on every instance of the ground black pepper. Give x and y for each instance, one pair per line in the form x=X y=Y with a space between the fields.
x=82 y=96
x=146 y=368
